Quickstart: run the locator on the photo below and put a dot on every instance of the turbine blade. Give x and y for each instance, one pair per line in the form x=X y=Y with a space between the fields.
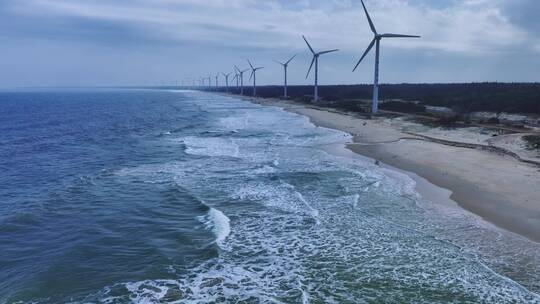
x=326 y=52
x=251 y=65
x=399 y=36
x=251 y=76
x=309 y=46
x=237 y=68
x=365 y=53
x=369 y=19
x=311 y=66
x=291 y=59
x=278 y=62
x=259 y=68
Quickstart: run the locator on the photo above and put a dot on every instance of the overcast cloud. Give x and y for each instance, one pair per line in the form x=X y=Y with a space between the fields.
x=131 y=42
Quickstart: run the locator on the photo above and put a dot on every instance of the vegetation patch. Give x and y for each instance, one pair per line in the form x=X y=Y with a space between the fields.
x=533 y=142
x=460 y=97
x=403 y=107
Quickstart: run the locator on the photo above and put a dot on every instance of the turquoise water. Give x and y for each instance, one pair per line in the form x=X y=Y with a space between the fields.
x=132 y=196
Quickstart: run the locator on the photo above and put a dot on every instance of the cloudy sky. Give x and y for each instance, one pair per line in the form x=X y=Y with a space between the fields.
x=149 y=42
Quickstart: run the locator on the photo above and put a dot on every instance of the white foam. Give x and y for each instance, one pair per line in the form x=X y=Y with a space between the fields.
x=211 y=146
x=219 y=223
x=148 y=292
x=281 y=195
x=234 y=123
x=264 y=170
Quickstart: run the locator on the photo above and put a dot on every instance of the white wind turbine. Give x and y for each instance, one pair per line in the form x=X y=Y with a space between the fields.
x=285 y=66
x=376 y=41
x=241 y=77
x=316 y=62
x=237 y=78
x=226 y=81
x=254 y=76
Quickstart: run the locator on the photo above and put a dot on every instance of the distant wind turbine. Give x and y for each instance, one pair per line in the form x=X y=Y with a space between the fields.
x=254 y=76
x=217 y=81
x=241 y=76
x=316 y=62
x=226 y=81
x=376 y=41
x=285 y=66
x=237 y=78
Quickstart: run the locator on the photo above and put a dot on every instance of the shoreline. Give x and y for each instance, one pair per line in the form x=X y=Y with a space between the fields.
x=496 y=187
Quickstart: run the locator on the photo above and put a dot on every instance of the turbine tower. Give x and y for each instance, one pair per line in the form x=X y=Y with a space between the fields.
x=285 y=66
x=254 y=76
x=226 y=81
x=241 y=77
x=376 y=41
x=217 y=81
x=237 y=78
x=316 y=62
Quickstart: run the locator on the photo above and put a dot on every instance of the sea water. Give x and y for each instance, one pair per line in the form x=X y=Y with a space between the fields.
x=141 y=196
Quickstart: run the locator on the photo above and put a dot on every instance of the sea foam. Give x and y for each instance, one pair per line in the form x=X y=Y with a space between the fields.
x=219 y=223
x=210 y=146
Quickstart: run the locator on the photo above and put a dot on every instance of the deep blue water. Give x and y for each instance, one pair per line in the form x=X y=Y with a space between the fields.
x=134 y=196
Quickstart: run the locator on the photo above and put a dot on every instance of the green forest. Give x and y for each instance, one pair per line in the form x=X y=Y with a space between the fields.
x=461 y=97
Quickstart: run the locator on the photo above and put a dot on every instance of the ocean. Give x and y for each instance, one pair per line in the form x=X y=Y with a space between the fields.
x=149 y=196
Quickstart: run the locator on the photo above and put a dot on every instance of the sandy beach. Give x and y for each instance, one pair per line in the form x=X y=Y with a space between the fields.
x=497 y=187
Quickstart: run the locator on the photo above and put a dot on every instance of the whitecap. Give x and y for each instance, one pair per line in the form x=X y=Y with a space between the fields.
x=211 y=146
x=219 y=223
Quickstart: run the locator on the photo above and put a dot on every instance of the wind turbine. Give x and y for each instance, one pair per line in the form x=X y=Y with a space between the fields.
x=254 y=76
x=217 y=81
x=316 y=62
x=237 y=78
x=376 y=41
x=226 y=81
x=241 y=76
x=285 y=66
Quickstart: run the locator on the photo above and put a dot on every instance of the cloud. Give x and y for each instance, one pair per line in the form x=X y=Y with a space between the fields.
x=122 y=42
x=472 y=27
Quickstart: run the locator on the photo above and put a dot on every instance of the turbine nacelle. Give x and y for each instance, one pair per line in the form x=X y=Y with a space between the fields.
x=240 y=72
x=316 y=55
x=253 y=69
x=286 y=64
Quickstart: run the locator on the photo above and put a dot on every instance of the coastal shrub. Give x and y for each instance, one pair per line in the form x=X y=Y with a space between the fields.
x=493 y=120
x=451 y=121
x=533 y=142
x=463 y=97
x=405 y=107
